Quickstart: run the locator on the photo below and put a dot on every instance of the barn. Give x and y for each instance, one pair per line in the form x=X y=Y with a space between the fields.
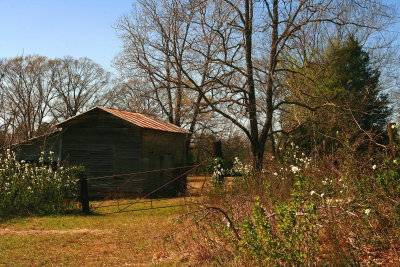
x=114 y=146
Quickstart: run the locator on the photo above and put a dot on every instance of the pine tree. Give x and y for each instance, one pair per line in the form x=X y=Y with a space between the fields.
x=344 y=87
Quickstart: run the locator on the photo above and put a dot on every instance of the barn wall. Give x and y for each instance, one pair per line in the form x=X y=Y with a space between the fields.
x=30 y=151
x=109 y=146
x=162 y=150
x=106 y=146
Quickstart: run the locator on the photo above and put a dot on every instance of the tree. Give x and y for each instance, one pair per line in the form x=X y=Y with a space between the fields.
x=27 y=91
x=79 y=84
x=233 y=53
x=346 y=95
x=36 y=91
x=158 y=37
x=256 y=41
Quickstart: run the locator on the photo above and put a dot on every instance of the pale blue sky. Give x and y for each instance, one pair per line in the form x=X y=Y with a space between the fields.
x=56 y=28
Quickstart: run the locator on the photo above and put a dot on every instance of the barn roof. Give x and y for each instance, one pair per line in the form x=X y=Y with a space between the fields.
x=138 y=119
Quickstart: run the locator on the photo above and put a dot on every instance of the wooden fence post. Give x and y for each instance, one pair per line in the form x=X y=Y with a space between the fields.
x=84 y=197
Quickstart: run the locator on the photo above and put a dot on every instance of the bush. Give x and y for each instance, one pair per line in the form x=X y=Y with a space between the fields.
x=339 y=209
x=36 y=188
x=287 y=237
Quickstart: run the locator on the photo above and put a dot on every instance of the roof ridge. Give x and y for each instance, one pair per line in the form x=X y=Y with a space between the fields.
x=139 y=119
x=160 y=124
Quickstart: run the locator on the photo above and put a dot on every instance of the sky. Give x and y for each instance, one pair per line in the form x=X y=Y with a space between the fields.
x=57 y=28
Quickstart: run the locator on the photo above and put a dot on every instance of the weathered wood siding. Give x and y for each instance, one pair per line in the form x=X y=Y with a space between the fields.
x=162 y=150
x=106 y=146
x=109 y=146
x=30 y=151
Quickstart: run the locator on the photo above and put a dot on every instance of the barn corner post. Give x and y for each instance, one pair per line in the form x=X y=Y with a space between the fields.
x=84 y=193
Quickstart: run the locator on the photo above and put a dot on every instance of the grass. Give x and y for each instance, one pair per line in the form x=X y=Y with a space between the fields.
x=113 y=239
x=104 y=238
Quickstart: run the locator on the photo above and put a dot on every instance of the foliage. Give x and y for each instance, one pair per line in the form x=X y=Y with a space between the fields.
x=389 y=178
x=344 y=94
x=29 y=188
x=287 y=237
x=337 y=209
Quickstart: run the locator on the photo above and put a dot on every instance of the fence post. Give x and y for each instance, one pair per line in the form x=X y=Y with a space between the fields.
x=84 y=197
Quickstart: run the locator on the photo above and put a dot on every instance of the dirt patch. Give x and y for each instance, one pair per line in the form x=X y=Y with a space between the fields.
x=6 y=231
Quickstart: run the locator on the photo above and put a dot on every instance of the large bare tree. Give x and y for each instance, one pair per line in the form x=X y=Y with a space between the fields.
x=232 y=54
x=79 y=84
x=158 y=38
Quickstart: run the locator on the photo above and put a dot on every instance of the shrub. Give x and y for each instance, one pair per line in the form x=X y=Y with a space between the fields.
x=36 y=188
x=286 y=236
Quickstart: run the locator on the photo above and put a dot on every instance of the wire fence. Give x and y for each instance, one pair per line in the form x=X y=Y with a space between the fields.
x=116 y=196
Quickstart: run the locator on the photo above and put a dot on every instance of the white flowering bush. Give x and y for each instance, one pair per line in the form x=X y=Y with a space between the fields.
x=239 y=168
x=36 y=188
x=218 y=171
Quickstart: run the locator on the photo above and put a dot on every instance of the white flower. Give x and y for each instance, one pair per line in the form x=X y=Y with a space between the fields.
x=395 y=161
x=367 y=211
x=393 y=126
x=324 y=182
x=295 y=169
x=374 y=167
x=322 y=195
x=275 y=173
x=312 y=192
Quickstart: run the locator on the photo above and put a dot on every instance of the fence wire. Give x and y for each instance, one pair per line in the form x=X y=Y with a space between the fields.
x=125 y=207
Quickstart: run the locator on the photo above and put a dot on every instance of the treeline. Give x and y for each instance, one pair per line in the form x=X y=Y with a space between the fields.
x=266 y=72
x=36 y=92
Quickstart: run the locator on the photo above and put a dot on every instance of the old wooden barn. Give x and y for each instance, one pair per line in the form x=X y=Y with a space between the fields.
x=112 y=145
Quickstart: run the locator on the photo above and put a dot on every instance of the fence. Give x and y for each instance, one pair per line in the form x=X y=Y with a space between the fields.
x=123 y=198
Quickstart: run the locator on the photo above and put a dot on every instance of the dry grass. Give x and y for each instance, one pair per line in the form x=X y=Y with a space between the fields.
x=112 y=239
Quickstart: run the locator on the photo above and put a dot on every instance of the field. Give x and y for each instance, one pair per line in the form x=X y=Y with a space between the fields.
x=127 y=238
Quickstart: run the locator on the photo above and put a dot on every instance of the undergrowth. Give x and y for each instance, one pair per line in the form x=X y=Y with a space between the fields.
x=341 y=209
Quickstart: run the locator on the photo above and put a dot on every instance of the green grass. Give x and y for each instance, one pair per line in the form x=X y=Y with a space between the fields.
x=129 y=238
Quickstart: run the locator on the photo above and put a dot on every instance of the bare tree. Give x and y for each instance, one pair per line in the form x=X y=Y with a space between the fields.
x=79 y=85
x=234 y=53
x=157 y=39
x=257 y=40
x=27 y=91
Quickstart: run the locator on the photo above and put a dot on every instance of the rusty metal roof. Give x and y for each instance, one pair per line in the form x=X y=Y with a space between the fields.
x=141 y=120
